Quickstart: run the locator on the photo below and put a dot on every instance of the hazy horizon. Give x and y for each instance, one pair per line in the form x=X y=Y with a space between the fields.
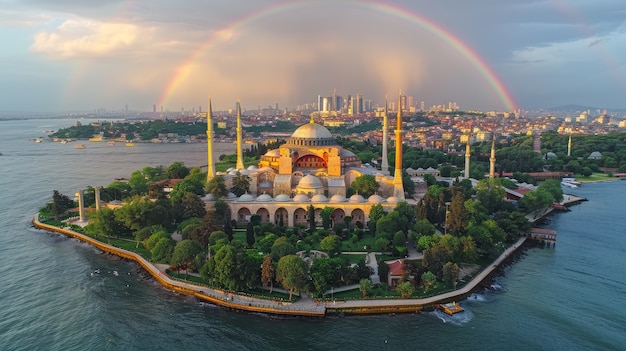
x=69 y=55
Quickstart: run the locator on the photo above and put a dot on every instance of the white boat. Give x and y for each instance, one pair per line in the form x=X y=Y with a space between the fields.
x=571 y=181
x=569 y=185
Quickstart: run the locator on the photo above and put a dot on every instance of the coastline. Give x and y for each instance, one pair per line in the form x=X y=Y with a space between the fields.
x=305 y=307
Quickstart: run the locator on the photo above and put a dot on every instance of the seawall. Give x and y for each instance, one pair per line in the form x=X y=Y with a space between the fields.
x=303 y=308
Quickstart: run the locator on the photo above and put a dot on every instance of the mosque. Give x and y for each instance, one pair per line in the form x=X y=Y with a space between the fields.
x=309 y=169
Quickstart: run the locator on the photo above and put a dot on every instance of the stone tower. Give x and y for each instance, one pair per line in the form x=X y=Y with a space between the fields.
x=398 y=188
x=384 y=167
x=209 y=140
x=239 y=137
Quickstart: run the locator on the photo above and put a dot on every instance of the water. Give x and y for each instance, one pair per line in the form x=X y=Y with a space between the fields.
x=568 y=298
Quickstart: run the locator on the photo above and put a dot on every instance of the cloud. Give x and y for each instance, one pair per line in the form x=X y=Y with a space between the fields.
x=87 y=37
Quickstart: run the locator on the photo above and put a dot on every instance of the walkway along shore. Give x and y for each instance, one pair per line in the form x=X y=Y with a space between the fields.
x=305 y=307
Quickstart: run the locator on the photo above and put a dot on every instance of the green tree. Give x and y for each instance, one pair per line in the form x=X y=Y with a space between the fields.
x=490 y=193
x=250 y=234
x=451 y=273
x=185 y=252
x=399 y=239
x=365 y=185
x=138 y=183
x=456 y=219
x=381 y=244
x=267 y=272
x=281 y=248
x=405 y=289
x=241 y=184
x=331 y=244
x=216 y=236
x=292 y=273
x=326 y=214
x=311 y=218
x=365 y=285
x=60 y=203
x=185 y=186
x=423 y=228
x=428 y=279
x=103 y=222
x=217 y=187
x=162 y=250
x=177 y=170
x=192 y=206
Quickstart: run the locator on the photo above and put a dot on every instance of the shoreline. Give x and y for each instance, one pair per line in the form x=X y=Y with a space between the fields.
x=306 y=307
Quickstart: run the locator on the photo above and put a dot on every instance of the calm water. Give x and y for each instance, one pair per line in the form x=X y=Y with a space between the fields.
x=568 y=298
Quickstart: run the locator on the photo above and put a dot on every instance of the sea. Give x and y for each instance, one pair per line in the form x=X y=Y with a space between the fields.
x=568 y=297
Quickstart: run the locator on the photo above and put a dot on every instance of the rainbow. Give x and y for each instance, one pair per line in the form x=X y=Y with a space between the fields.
x=185 y=68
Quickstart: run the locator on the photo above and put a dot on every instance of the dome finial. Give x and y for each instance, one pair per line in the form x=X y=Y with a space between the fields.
x=312 y=119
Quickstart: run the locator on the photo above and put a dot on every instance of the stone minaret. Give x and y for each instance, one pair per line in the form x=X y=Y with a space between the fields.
x=209 y=140
x=467 y=159
x=384 y=167
x=81 y=205
x=398 y=189
x=239 y=137
x=569 y=146
x=96 y=192
x=492 y=159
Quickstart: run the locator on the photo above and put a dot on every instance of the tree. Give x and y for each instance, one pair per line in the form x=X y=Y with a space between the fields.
x=281 y=248
x=292 y=273
x=228 y=229
x=331 y=244
x=405 y=289
x=192 y=206
x=326 y=214
x=456 y=218
x=138 y=183
x=267 y=272
x=217 y=187
x=451 y=273
x=177 y=170
x=185 y=186
x=250 y=234
x=241 y=184
x=217 y=235
x=184 y=252
x=311 y=218
x=365 y=285
x=381 y=244
x=60 y=204
x=162 y=250
x=423 y=228
x=399 y=239
x=490 y=193
x=365 y=185
x=104 y=222
x=428 y=279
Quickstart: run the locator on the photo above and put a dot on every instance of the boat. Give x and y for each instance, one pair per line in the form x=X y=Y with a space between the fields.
x=63 y=141
x=80 y=146
x=450 y=308
x=130 y=144
x=571 y=182
x=569 y=185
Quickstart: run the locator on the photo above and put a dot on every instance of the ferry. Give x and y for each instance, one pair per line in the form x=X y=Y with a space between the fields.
x=80 y=146
x=130 y=144
x=450 y=308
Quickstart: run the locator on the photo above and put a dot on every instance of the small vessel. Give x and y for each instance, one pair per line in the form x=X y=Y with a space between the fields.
x=450 y=308
x=80 y=146
x=571 y=182
x=130 y=144
x=63 y=141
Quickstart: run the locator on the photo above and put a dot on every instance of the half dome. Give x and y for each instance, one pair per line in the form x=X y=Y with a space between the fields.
x=310 y=182
x=393 y=200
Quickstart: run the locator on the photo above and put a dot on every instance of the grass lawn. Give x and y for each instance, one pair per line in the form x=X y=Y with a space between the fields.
x=353 y=258
x=595 y=177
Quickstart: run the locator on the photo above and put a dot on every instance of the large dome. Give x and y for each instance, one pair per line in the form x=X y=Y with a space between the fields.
x=312 y=131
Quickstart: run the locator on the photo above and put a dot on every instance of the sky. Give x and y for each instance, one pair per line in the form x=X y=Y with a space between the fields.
x=83 y=55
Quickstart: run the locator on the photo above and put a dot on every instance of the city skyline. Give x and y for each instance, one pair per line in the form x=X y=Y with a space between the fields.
x=69 y=55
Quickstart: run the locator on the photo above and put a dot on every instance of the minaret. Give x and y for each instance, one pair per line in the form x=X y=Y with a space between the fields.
x=209 y=139
x=398 y=189
x=384 y=167
x=569 y=146
x=81 y=205
x=238 y=132
x=96 y=193
x=492 y=159
x=467 y=158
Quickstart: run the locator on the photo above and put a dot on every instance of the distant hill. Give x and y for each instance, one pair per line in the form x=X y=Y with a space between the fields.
x=581 y=108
